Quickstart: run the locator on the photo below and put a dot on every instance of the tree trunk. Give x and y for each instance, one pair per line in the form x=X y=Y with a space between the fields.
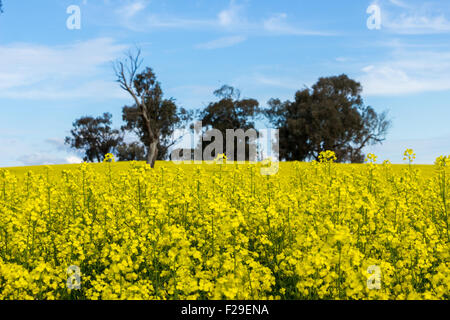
x=152 y=153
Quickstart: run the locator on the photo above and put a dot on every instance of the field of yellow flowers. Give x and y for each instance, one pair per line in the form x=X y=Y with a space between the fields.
x=316 y=230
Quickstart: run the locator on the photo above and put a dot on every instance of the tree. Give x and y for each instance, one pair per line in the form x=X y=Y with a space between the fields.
x=230 y=112
x=131 y=151
x=329 y=116
x=94 y=136
x=151 y=117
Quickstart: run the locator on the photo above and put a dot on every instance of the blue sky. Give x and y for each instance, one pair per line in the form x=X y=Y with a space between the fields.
x=50 y=75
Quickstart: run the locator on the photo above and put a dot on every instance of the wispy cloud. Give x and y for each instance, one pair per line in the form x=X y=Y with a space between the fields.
x=277 y=81
x=53 y=151
x=408 y=71
x=413 y=18
x=277 y=24
x=52 y=72
x=233 y=18
x=58 y=143
x=221 y=42
x=94 y=90
x=230 y=18
x=132 y=9
x=39 y=158
x=342 y=59
x=153 y=21
x=399 y=3
x=418 y=24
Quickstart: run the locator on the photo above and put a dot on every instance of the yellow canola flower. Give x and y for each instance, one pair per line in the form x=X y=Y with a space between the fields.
x=109 y=157
x=309 y=231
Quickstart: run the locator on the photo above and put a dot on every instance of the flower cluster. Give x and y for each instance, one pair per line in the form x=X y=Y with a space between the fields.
x=109 y=157
x=409 y=155
x=214 y=231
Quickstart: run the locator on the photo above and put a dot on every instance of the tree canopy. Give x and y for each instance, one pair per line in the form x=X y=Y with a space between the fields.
x=94 y=136
x=152 y=118
x=329 y=116
x=133 y=151
x=230 y=112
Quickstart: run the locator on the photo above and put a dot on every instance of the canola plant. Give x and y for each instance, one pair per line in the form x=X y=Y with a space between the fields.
x=316 y=230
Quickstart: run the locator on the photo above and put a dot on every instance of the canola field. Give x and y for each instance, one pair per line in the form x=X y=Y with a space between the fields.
x=316 y=230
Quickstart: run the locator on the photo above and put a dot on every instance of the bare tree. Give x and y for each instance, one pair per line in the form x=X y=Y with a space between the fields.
x=126 y=73
x=151 y=117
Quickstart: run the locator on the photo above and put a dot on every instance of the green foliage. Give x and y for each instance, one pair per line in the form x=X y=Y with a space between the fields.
x=152 y=118
x=94 y=136
x=329 y=116
x=133 y=151
x=163 y=114
x=230 y=112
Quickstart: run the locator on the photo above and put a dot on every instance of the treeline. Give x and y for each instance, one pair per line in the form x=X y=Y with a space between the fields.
x=331 y=115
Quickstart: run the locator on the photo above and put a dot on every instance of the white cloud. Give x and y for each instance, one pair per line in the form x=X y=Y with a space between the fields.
x=94 y=90
x=132 y=9
x=27 y=153
x=153 y=21
x=407 y=72
x=342 y=59
x=230 y=16
x=73 y=160
x=277 y=24
x=40 y=158
x=418 y=24
x=401 y=18
x=399 y=3
x=46 y=72
x=222 y=42
x=276 y=81
x=231 y=19
x=57 y=142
